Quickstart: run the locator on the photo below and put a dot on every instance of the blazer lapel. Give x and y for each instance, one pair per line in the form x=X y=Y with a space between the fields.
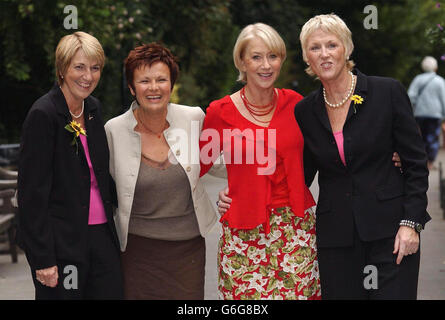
x=91 y=123
x=181 y=143
x=361 y=89
x=60 y=103
x=63 y=111
x=320 y=110
x=174 y=141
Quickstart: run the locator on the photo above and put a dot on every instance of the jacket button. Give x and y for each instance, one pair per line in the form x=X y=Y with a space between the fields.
x=178 y=152
x=188 y=169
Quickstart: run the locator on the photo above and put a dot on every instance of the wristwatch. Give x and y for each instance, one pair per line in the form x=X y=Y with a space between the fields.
x=418 y=227
x=414 y=225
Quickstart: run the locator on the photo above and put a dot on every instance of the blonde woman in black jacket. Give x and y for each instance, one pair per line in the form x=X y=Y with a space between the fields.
x=66 y=225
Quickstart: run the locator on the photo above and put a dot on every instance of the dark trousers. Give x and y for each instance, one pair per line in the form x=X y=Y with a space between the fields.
x=430 y=129
x=99 y=276
x=343 y=274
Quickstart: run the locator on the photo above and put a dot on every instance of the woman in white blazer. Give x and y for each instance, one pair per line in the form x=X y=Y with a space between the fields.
x=163 y=210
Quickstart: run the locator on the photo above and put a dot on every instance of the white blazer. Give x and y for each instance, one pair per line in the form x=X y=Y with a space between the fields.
x=125 y=156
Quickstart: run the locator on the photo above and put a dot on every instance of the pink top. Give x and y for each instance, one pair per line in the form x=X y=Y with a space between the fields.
x=339 y=139
x=97 y=211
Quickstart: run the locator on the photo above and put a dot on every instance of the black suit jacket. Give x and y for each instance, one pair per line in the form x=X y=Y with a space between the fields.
x=369 y=191
x=54 y=181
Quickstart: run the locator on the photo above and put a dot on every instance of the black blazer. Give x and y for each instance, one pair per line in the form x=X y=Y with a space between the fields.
x=54 y=181
x=369 y=192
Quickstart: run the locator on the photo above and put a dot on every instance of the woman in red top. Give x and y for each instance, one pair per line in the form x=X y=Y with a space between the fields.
x=267 y=248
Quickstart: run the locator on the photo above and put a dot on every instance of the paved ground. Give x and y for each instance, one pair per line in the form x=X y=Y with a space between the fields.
x=16 y=283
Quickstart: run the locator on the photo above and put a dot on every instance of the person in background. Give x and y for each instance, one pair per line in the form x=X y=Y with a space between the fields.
x=267 y=245
x=65 y=191
x=164 y=212
x=368 y=213
x=427 y=94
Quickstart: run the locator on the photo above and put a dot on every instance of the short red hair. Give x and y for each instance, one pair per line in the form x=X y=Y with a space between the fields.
x=146 y=55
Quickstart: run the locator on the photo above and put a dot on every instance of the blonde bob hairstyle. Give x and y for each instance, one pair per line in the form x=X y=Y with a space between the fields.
x=329 y=23
x=264 y=32
x=68 y=46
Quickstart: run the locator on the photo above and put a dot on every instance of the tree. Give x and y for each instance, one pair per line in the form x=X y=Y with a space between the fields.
x=196 y=31
x=201 y=33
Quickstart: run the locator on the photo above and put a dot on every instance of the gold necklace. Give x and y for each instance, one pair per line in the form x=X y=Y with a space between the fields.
x=158 y=134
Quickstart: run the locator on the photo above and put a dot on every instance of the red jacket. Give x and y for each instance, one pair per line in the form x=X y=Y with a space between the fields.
x=250 y=191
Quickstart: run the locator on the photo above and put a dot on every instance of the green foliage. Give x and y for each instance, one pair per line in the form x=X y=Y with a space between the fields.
x=198 y=32
x=201 y=33
x=401 y=41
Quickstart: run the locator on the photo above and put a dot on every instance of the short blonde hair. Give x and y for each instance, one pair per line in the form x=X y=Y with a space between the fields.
x=68 y=46
x=330 y=23
x=264 y=32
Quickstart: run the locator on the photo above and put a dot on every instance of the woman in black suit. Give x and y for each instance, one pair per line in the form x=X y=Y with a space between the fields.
x=369 y=214
x=66 y=225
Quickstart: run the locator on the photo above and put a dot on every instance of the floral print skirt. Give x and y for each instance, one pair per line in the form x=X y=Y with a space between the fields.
x=282 y=265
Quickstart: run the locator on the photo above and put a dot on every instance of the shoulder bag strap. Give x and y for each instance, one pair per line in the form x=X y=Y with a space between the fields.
x=420 y=91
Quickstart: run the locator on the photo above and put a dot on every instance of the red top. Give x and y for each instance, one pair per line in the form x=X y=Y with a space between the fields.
x=252 y=171
x=279 y=191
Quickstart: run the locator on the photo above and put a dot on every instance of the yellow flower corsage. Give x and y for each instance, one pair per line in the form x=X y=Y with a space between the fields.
x=357 y=100
x=75 y=128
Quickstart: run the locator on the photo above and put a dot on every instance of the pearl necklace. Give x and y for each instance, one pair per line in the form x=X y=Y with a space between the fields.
x=81 y=112
x=336 y=105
